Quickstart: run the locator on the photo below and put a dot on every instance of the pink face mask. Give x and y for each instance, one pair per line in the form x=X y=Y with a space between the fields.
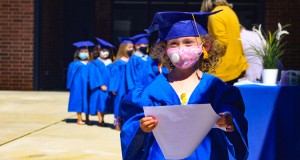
x=184 y=57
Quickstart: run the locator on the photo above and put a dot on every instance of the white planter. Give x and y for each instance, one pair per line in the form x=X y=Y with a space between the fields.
x=269 y=76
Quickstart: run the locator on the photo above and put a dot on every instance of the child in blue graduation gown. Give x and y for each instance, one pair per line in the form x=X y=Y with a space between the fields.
x=188 y=51
x=117 y=85
x=77 y=81
x=99 y=73
x=141 y=68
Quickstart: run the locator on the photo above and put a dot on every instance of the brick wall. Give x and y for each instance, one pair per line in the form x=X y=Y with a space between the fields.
x=286 y=12
x=16 y=44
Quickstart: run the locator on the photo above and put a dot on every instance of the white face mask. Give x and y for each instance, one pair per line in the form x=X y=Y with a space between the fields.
x=104 y=54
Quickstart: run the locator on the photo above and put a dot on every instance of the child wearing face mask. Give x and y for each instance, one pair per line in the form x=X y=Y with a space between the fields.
x=190 y=54
x=77 y=81
x=117 y=85
x=141 y=68
x=99 y=74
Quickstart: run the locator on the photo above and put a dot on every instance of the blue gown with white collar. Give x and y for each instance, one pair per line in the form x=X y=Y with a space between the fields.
x=77 y=83
x=99 y=74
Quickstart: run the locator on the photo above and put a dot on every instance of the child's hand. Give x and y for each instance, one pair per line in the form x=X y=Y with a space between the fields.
x=103 y=88
x=226 y=121
x=147 y=124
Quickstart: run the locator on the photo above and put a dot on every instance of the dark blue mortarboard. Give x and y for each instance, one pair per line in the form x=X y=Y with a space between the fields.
x=141 y=39
x=172 y=25
x=83 y=44
x=104 y=44
x=125 y=40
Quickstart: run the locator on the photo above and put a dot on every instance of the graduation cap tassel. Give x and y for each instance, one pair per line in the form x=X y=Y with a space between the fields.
x=159 y=65
x=205 y=54
x=196 y=27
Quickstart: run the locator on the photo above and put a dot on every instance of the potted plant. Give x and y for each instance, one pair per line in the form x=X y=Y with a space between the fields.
x=271 y=53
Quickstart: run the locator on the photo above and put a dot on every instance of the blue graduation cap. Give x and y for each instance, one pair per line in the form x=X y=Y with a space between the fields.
x=104 y=44
x=172 y=25
x=83 y=44
x=141 y=38
x=125 y=40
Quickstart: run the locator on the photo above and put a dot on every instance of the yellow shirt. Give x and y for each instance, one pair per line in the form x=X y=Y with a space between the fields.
x=225 y=27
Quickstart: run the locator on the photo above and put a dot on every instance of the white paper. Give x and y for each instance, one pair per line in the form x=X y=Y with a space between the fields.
x=181 y=129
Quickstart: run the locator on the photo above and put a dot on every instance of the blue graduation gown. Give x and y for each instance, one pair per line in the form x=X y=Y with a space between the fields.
x=117 y=83
x=77 y=83
x=217 y=144
x=98 y=75
x=141 y=71
x=110 y=98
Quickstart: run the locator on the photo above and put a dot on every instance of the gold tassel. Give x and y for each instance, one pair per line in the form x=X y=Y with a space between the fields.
x=205 y=54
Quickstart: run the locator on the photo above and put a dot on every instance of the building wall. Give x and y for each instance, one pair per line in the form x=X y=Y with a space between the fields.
x=16 y=44
x=51 y=68
x=103 y=9
x=286 y=12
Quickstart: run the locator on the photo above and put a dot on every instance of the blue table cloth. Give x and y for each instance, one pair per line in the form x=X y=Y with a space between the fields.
x=273 y=114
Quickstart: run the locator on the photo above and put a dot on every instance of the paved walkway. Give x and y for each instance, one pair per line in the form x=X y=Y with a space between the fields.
x=36 y=125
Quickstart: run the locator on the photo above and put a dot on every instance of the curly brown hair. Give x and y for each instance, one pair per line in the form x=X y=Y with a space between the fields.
x=215 y=52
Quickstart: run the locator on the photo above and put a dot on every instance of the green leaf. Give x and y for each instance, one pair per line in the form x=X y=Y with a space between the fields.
x=273 y=50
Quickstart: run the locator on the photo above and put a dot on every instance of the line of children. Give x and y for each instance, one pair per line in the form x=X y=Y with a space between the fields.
x=87 y=80
x=107 y=82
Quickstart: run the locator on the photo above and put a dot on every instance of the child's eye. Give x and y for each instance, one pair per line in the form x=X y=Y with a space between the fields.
x=188 y=42
x=173 y=44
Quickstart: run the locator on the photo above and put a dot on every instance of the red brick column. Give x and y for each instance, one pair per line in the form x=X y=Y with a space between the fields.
x=16 y=44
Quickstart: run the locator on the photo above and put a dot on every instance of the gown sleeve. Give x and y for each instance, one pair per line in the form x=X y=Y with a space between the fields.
x=129 y=104
x=114 y=84
x=229 y=99
x=133 y=75
x=134 y=142
x=72 y=69
x=96 y=76
x=106 y=75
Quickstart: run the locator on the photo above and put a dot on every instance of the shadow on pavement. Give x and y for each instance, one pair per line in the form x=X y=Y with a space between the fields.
x=91 y=123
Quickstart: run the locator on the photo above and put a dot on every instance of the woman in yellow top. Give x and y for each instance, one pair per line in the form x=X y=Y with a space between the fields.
x=224 y=26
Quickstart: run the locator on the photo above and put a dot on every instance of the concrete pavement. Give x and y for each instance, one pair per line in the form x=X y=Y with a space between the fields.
x=36 y=125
